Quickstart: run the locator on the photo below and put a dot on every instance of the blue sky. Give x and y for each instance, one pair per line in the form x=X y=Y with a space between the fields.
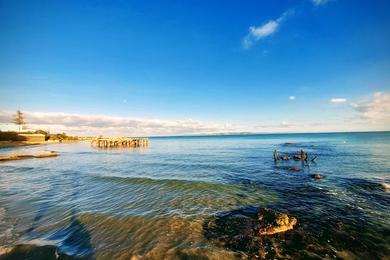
x=196 y=66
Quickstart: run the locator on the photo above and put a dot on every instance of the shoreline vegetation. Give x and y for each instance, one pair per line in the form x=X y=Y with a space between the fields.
x=39 y=137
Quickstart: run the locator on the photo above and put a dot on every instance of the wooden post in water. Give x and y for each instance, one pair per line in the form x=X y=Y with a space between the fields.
x=120 y=142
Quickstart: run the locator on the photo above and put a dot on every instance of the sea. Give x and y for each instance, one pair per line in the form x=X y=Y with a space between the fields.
x=162 y=201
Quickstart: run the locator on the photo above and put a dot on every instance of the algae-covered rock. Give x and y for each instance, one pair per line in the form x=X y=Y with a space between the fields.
x=249 y=230
x=271 y=222
x=235 y=226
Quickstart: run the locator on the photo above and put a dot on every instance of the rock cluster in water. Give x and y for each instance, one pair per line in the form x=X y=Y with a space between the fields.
x=299 y=156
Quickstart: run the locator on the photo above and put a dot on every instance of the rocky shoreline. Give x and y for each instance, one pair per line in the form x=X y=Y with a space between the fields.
x=27 y=156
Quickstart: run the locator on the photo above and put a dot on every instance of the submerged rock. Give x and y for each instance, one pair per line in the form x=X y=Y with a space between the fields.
x=251 y=230
x=316 y=176
x=271 y=222
x=240 y=226
x=29 y=251
x=295 y=169
x=289 y=168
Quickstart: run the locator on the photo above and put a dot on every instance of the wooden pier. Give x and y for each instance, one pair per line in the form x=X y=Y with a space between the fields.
x=120 y=142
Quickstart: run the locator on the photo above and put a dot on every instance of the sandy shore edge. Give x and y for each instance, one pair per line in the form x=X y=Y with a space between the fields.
x=7 y=144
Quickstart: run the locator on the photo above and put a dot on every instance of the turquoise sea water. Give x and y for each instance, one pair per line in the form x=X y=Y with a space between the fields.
x=154 y=202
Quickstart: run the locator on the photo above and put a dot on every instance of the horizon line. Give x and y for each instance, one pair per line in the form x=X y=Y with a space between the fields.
x=254 y=133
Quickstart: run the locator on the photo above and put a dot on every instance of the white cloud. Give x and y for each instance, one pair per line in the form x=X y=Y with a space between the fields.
x=90 y=125
x=338 y=100
x=264 y=30
x=257 y=33
x=284 y=124
x=319 y=2
x=376 y=109
x=373 y=114
x=95 y=125
x=291 y=97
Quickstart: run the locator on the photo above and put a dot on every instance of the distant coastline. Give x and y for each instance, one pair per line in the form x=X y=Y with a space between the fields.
x=257 y=134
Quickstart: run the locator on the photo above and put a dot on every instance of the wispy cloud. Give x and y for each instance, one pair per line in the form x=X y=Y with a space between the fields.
x=338 y=100
x=257 y=33
x=319 y=2
x=268 y=28
x=291 y=97
x=376 y=109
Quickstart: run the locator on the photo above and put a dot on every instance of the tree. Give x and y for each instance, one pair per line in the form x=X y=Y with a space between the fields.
x=42 y=132
x=19 y=120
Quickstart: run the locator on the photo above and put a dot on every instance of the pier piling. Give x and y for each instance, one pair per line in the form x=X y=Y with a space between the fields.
x=120 y=142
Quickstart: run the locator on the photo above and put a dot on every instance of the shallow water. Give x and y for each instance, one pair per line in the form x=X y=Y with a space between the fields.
x=155 y=202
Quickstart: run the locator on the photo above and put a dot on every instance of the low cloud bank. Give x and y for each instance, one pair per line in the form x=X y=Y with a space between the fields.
x=94 y=125
x=376 y=109
x=112 y=126
x=371 y=114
